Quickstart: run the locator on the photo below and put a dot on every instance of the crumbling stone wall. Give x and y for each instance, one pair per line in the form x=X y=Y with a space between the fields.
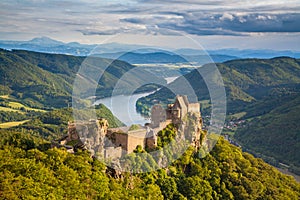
x=95 y=136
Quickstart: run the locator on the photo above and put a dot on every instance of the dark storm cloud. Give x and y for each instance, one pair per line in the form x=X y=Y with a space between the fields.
x=223 y=23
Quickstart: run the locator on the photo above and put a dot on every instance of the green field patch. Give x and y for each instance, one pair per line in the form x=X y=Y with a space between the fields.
x=4 y=96
x=6 y=109
x=239 y=115
x=12 y=124
x=17 y=105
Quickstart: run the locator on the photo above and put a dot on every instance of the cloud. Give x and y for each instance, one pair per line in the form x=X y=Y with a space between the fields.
x=199 y=23
x=169 y=17
x=263 y=23
x=227 y=16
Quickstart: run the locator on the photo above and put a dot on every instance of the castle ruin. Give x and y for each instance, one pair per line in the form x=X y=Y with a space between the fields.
x=113 y=143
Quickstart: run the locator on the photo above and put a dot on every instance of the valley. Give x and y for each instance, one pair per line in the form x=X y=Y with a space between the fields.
x=262 y=102
x=262 y=95
x=149 y=100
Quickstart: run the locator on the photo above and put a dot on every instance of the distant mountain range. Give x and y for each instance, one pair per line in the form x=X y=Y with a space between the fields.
x=48 y=45
x=166 y=57
x=140 y=53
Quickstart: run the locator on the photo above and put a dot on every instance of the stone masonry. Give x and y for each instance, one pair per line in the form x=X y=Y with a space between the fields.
x=113 y=143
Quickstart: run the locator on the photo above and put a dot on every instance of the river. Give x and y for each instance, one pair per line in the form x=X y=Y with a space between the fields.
x=123 y=106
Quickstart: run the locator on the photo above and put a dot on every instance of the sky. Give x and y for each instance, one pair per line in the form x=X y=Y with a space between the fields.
x=212 y=24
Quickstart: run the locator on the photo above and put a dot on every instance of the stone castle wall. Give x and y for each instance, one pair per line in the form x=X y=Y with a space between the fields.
x=121 y=140
x=113 y=152
x=194 y=107
x=113 y=143
x=136 y=138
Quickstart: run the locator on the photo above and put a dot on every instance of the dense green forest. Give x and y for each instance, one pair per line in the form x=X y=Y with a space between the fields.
x=275 y=133
x=42 y=80
x=265 y=93
x=32 y=170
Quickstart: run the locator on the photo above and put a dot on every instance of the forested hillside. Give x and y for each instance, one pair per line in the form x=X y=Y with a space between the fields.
x=29 y=170
x=246 y=82
x=275 y=133
x=265 y=93
x=46 y=80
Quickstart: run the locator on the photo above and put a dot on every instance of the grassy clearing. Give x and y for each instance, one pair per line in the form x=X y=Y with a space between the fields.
x=6 y=109
x=16 y=105
x=239 y=115
x=4 y=96
x=12 y=124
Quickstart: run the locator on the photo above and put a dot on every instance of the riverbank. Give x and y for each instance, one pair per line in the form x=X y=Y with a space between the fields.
x=287 y=172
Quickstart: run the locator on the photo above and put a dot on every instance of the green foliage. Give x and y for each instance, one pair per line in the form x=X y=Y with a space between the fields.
x=20 y=140
x=246 y=82
x=138 y=149
x=11 y=116
x=266 y=92
x=103 y=112
x=30 y=169
x=166 y=135
x=195 y=188
x=31 y=172
x=42 y=80
x=11 y=110
x=57 y=117
x=134 y=127
x=139 y=161
x=30 y=83
x=51 y=174
x=275 y=134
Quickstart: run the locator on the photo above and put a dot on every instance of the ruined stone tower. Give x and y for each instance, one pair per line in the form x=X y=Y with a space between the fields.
x=101 y=141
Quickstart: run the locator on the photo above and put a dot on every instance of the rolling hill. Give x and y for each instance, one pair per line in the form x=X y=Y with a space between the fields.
x=49 y=45
x=142 y=58
x=275 y=133
x=160 y=56
x=267 y=92
x=247 y=82
x=46 y=80
x=31 y=169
